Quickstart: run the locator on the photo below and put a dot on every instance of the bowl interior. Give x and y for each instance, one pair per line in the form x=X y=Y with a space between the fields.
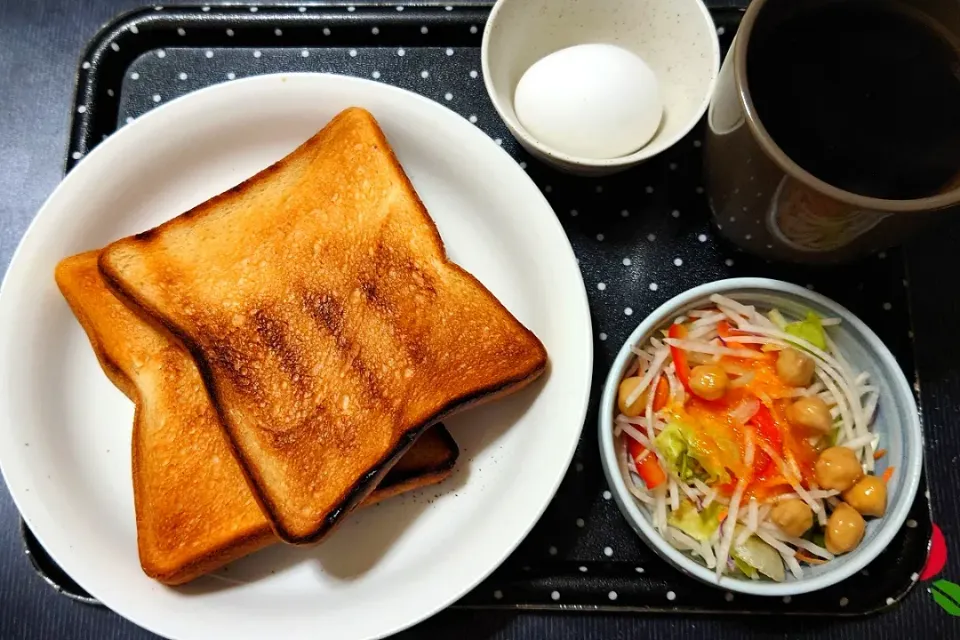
x=896 y=422
x=677 y=38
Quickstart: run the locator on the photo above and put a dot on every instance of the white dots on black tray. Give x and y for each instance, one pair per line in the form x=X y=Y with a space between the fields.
x=728 y=262
x=182 y=76
x=76 y=155
x=702 y=237
x=721 y=31
x=601 y=286
x=81 y=109
x=375 y=75
x=671 y=596
x=523 y=165
x=351 y=8
x=628 y=311
x=697 y=143
x=208 y=53
x=302 y=9
x=304 y=54
x=602 y=336
x=728 y=596
x=401 y=52
x=399 y=8
x=115 y=46
x=257 y=53
x=163 y=54
x=580 y=523
x=675 y=213
x=129 y=120
x=612 y=595
x=890 y=601
x=278 y=32
x=253 y=9
x=552 y=551
x=375 y=30
x=887 y=306
x=156 y=97
x=231 y=75
x=449 y=51
x=653 y=286
x=133 y=29
x=651 y=237
x=678 y=262
x=473 y=73
x=352 y=53
x=424 y=29
x=554 y=595
x=473 y=28
x=649 y=188
x=625 y=213
x=448 y=8
x=673 y=166
x=583 y=569
x=600 y=237
x=205 y=8
x=181 y=31
x=606 y=494
x=472 y=118
x=608 y=551
x=424 y=74
x=638 y=569
x=230 y=33
x=787 y=599
x=110 y=92
x=911 y=523
x=627 y=262
x=499 y=141
x=574 y=213
x=326 y=31
x=448 y=96
x=844 y=601
x=85 y=65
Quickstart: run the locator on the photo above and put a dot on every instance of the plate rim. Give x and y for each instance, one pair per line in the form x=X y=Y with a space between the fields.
x=140 y=615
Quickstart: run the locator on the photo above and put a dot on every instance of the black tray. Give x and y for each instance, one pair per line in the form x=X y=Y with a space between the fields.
x=641 y=237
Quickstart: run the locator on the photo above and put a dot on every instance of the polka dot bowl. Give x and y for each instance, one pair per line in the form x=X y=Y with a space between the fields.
x=897 y=422
x=677 y=38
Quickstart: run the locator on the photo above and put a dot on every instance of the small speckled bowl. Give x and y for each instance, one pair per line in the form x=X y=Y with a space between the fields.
x=677 y=38
x=897 y=422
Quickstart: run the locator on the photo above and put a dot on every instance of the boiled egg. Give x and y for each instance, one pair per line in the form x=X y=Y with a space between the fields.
x=594 y=101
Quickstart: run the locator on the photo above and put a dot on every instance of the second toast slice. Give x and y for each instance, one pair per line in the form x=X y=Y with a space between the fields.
x=194 y=509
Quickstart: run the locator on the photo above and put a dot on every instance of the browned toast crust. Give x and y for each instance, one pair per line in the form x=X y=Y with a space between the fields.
x=192 y=524
x=385 y=291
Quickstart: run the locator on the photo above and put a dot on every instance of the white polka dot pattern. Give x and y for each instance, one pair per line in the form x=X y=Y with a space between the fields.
x=639 y=237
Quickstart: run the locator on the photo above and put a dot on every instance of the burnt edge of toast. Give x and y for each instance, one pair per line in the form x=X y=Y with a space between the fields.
x=363 y=486
x=453 y=454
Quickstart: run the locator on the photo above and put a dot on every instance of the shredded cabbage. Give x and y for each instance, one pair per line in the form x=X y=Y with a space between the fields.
x=809 y=329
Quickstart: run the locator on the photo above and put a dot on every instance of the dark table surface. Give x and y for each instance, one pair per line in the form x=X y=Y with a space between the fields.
x=40 y=42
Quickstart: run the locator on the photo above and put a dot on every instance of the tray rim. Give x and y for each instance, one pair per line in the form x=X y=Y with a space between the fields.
x=89 y=75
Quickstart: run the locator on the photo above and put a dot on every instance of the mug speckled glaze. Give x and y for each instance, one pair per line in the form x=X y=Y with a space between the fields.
x=763 y=201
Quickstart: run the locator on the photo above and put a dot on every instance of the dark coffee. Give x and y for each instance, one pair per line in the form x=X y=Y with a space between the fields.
x=865 y=95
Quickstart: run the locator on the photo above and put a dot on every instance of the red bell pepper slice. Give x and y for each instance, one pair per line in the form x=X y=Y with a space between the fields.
x=767 y=430
x=679 y=332
x=648 y=468
x=661 y=395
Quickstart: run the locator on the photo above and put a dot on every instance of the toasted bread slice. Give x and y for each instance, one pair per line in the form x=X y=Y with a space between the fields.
x=194 y=509
x=329 y=326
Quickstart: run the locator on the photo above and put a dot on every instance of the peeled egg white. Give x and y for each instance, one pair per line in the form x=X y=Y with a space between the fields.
x=594 y=101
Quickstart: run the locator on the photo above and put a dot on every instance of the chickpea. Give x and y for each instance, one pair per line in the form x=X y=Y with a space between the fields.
x=793 y=517
x=627 y=387
x=709 y=381
x=837 y=468
x=869 y=496
x=844 y=529
x=810 y=413
x=794 y=368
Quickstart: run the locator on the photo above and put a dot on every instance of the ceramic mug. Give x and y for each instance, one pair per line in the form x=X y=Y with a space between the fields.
x=763 y=199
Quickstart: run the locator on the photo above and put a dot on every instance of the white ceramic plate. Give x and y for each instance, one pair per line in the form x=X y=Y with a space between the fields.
x=65 y=436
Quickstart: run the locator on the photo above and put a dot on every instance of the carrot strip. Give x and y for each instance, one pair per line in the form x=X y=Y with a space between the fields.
x=803 y=557
x=879 y=453
x=887 y=475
